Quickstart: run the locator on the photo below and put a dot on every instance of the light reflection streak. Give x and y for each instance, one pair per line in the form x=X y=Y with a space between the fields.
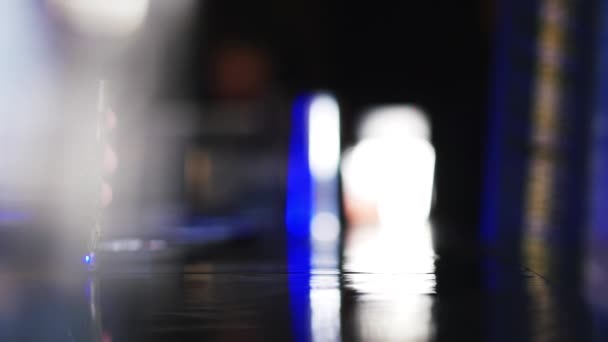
x=404 y=318
x=393 y=277
x=325 y=304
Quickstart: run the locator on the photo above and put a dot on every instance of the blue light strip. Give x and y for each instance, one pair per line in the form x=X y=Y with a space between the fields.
x=297 y=216
x=299 y=178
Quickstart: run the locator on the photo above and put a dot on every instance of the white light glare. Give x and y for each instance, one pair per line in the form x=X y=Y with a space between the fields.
x=325 y=227
x=402 y=249
x=325 y=313
x=105 y=17
x=324 y=137
x=393 y=166
x=395 y=174
x=395 y=121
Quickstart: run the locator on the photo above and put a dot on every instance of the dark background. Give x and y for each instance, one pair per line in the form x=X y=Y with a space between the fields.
x=432 y=54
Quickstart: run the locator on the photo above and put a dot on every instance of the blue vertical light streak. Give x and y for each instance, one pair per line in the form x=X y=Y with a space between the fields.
x=307 y=195
x=298 y=216
x=299 y=178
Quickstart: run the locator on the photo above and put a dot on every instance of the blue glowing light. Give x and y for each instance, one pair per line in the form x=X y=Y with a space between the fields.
x=87 y=259
x=299 y=178
x=307 y=193
x=297 y=216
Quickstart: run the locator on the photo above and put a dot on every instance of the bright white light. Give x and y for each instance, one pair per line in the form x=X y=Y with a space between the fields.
x=392 y=249
x=405 y=316
x=325 y=313
x=392 y=271
x=395 y=121
x=325 y=227
x=324 y=137
x=393 y=166
x=105 y=17
x=395 y=174
x=360 y=171
x=407 y=183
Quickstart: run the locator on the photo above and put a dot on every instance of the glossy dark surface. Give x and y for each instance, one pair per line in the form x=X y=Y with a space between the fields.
x=239 y=293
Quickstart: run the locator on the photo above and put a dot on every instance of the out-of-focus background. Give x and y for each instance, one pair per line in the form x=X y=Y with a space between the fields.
x=303 y=170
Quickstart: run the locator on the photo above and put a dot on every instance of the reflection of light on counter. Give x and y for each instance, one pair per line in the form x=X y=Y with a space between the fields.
x=393 y=279
x=402 y=317
x=107 y=17
x=392 y=272
x=325 y=304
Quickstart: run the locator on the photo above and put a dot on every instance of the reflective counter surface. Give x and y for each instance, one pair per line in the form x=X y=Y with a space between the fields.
x=240 y=292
